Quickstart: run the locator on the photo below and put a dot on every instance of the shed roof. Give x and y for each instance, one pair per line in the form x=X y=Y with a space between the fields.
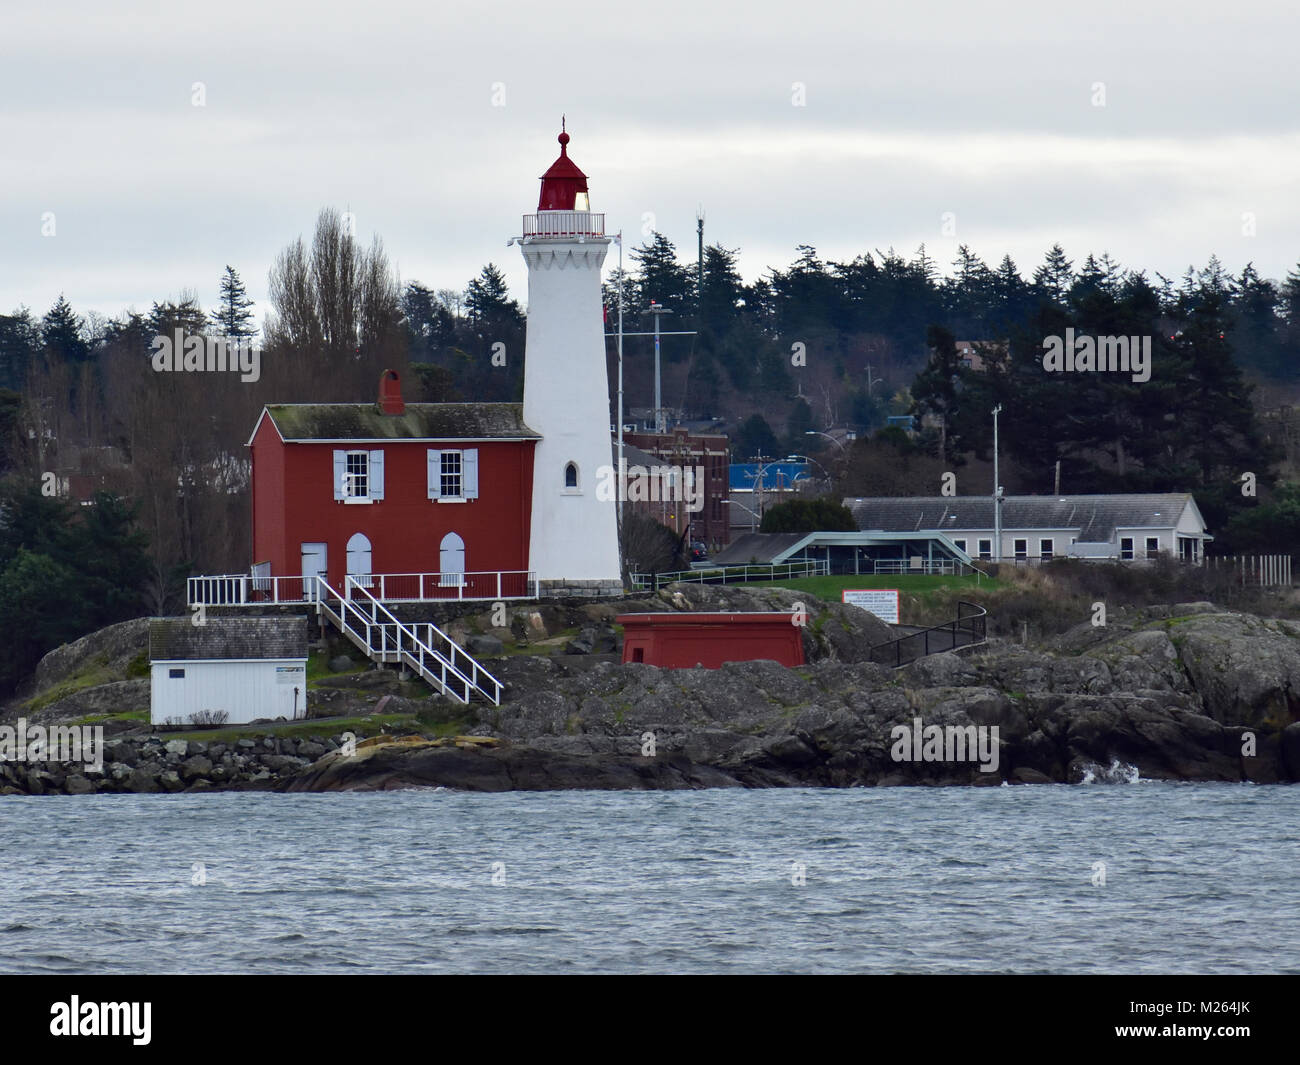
x=179 y=639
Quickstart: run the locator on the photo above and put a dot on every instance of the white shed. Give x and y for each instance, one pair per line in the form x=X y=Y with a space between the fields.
x=242 y=668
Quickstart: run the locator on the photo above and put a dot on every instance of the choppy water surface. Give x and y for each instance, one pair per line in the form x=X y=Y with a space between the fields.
x=1198 y=878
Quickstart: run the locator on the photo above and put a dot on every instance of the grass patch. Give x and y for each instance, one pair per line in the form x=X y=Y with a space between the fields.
x=138 y=667
x=544 y=647
x=318 y=667
x=99 y=719
x=96 y=675
x=321 y=726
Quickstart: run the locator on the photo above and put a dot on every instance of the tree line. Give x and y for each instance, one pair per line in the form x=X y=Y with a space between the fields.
x=797 y=351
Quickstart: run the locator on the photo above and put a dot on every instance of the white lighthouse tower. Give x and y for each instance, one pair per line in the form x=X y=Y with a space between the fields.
x=573 y=544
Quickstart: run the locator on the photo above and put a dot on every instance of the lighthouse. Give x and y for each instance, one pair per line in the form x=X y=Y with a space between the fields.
x=573 y=535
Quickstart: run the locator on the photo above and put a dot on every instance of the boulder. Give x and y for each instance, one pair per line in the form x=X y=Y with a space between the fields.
x=194 y=767
x=582 y=644
x=484 y=645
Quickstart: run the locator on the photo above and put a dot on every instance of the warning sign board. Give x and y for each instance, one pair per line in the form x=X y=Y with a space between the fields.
x=883 y=602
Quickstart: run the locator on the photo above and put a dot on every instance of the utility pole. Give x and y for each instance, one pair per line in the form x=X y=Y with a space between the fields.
x=699 y=269
x=997 y=492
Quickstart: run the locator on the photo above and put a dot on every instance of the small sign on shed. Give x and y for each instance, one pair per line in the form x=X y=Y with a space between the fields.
x=227 y=670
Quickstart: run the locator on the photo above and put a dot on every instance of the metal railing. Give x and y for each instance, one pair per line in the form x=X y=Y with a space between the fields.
x=241 y=589
x=969 y=627
x=564 y=224
x=944 y=566
x=422 y=646
x=642 y=582
x=434 y=587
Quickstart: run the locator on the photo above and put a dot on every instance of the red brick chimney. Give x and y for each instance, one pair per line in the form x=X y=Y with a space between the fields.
x=390 y=393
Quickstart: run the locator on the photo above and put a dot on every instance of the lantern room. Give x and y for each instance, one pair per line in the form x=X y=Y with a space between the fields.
x=564 y=186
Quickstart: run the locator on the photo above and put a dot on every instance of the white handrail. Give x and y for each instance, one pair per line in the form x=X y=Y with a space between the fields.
x=435 y=635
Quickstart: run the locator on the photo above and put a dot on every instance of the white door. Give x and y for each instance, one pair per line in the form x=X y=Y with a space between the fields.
x=359 y=559
x=314 y=564
x=451 y=561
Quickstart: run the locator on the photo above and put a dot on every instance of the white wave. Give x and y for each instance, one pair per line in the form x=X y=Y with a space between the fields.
x=1116 y=773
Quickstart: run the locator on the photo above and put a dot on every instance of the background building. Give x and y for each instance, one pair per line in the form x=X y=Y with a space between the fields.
x=707 y=452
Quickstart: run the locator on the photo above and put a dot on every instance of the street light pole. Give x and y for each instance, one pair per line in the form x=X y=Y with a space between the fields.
x=752 y=515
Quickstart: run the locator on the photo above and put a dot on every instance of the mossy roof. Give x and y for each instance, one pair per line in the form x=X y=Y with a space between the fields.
x=179 y=639
x=420 y=421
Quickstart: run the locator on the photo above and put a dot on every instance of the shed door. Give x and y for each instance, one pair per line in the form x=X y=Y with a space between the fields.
x=314 y=564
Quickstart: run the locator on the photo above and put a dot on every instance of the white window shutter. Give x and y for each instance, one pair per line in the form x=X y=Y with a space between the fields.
x=376 y=475
x=435 y=474
x=340 y=469
x=469 y=473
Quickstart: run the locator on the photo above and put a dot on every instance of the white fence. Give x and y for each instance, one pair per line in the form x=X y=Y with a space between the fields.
x=1260 y=570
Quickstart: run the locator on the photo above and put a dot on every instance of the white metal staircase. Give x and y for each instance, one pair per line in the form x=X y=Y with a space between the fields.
x=420 y=646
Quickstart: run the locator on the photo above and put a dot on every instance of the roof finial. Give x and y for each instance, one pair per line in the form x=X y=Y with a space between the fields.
x=563 y=138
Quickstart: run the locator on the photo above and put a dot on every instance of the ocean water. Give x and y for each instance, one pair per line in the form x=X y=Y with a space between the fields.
x=1200 y=878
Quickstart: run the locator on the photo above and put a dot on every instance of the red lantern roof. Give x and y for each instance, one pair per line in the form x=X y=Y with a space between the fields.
x=563 y=181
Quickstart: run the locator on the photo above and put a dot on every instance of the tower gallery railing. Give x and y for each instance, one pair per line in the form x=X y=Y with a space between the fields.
x=564 y=224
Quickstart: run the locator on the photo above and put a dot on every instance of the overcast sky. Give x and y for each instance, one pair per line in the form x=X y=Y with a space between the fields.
x=390 y=109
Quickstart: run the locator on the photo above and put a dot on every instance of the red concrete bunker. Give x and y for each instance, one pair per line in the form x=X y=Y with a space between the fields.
x=683 y=641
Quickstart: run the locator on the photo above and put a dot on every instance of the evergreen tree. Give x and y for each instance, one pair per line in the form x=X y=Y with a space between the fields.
x=808 y=515
x=661 y=278
x=754 y=438
x=233 y=318
x=62 y=333
x=20 y=341
x=1056 y=276
x=799 y=424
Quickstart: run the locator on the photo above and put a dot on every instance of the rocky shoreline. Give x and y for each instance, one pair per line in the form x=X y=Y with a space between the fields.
x=1185 y=692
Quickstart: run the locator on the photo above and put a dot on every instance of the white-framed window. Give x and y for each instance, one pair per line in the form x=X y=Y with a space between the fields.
x=1045 y=548
x=1126 y=548
x=571 y=477
x=453 y=475
x=986 y=549
x=450 y=488
x=1153 y=546
x=1021 y=549
x=960 y=545
x=358 y=476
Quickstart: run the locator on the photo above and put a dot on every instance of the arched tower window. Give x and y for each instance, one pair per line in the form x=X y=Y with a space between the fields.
x=571 y=475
